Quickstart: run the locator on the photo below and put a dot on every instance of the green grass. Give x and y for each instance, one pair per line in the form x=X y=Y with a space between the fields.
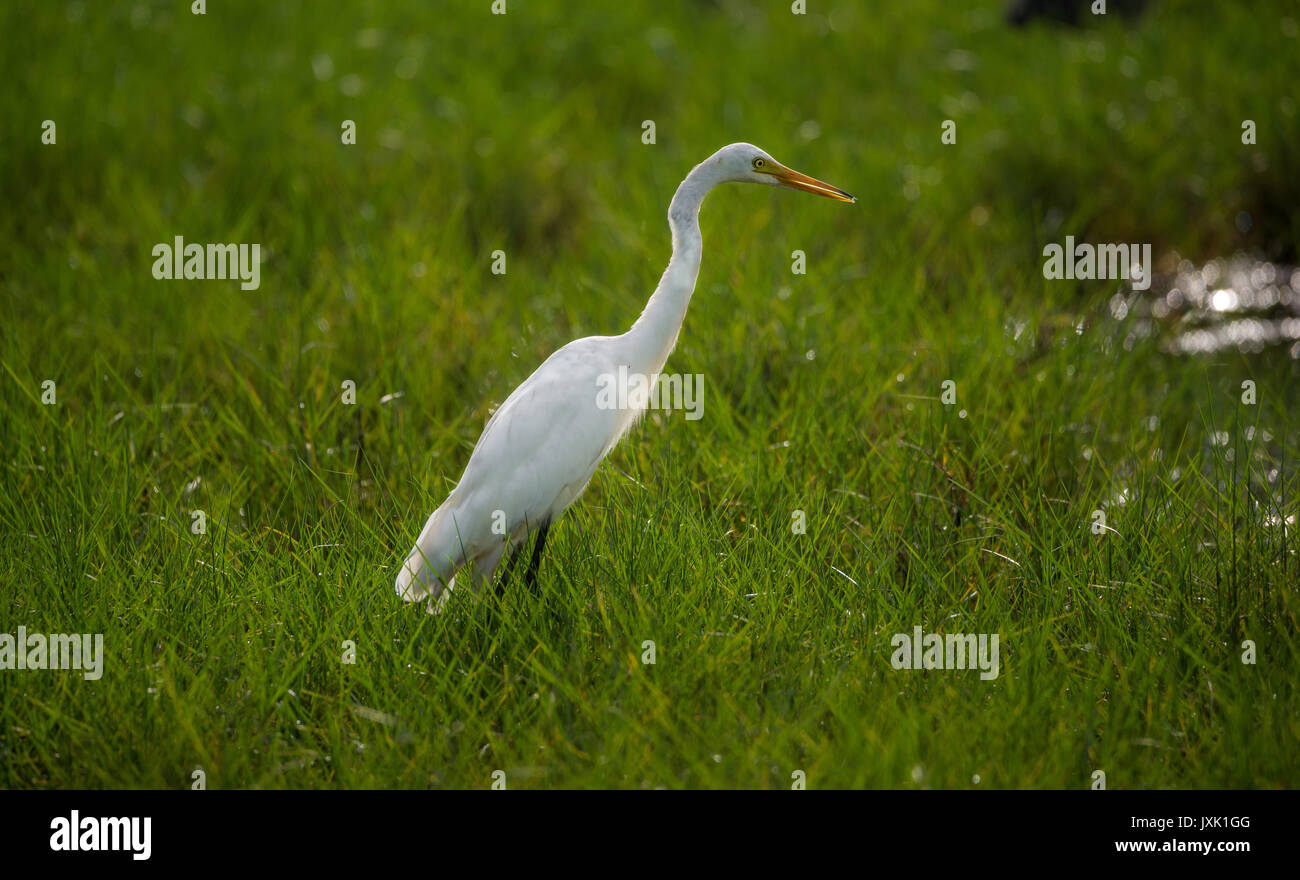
x=1120 y=652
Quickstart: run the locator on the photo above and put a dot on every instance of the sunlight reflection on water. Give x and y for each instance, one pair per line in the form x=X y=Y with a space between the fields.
x=1239 y=303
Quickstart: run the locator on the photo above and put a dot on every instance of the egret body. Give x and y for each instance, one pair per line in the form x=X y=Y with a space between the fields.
x=540 y=449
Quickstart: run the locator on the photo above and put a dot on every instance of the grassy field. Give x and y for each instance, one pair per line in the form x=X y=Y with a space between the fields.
x=1120 y=652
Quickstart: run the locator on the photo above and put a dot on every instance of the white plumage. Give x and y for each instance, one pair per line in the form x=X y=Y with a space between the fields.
x=540 y=449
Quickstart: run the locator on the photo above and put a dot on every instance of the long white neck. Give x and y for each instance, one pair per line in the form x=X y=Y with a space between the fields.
x=654 y=334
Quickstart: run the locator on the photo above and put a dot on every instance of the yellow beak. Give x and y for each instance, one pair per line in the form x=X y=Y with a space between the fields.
x=788 y=177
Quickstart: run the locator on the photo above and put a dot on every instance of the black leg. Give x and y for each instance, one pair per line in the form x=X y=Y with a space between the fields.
x=537 y=555
x=511 y=563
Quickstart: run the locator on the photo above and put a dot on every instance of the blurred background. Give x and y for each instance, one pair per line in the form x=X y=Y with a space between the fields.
x=523 y=131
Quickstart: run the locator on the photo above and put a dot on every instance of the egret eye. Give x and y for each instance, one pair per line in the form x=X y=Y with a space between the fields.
x=759 y=163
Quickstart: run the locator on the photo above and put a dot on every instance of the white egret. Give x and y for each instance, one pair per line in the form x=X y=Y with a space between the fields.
x=542 y=446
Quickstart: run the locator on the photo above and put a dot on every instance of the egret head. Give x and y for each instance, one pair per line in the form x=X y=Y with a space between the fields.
x=746 y=163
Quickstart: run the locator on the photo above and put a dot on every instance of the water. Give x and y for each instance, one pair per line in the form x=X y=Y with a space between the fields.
x=1239 y=303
